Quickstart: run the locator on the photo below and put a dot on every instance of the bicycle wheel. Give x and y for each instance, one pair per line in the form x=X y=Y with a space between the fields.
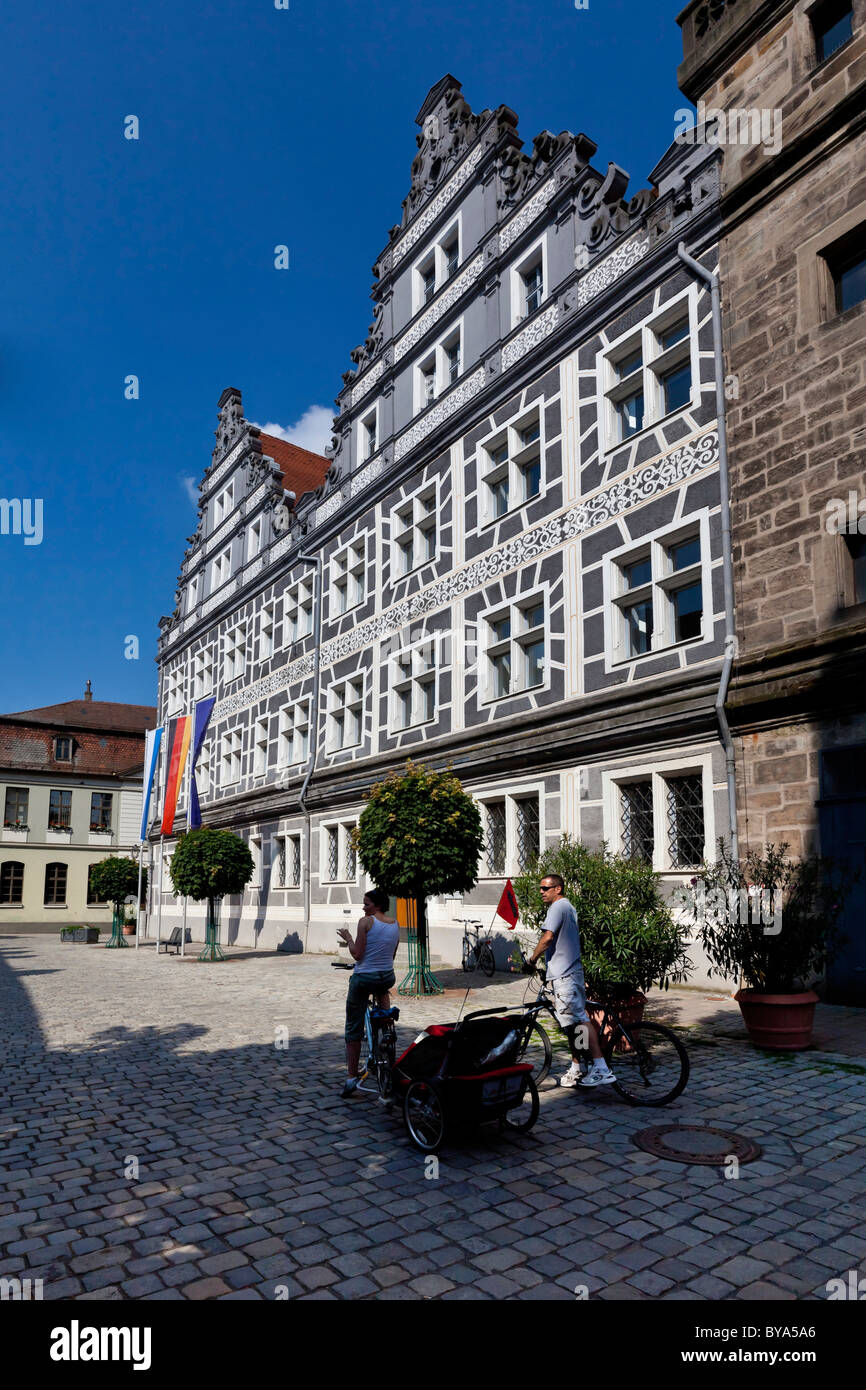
x=424 y=1115
x=386 y=1056
x=467 y=955
x=655 y=1067
x=538 y=1051
x=487 y=961
x=521 y=1119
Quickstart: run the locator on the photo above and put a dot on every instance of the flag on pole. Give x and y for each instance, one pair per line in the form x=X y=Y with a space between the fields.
x=203 y=711
x=177 y=747
x=151 y=756
x=508 y=906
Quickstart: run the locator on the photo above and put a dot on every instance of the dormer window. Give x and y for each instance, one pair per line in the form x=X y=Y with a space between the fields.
x=223 y=503
x=63 y=750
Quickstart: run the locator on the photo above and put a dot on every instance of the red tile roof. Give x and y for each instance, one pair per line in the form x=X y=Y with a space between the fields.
x=107 y=715
x=303 y=471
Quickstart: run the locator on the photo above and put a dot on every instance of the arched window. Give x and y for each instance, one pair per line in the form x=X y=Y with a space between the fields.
x=55 y=884
x=11 y=881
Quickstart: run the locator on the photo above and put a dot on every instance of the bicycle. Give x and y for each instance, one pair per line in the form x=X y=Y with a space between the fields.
x=477 y=954
x=381 y=1038
x=652 y=1065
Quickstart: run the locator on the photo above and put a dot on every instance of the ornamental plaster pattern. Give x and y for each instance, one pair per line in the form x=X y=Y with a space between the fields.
x=440 y=412
x=456 y=288
x=527 y=215
x=611 y=268
x=228 y=462
x=270 y=685
x=425 y=219
x=368 y=381
x=255 y=498
x=351 y=488
x=540 y=328
x=210 y=604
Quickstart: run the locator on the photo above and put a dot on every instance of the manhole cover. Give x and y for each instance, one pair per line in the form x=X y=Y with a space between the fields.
x=696 y=1144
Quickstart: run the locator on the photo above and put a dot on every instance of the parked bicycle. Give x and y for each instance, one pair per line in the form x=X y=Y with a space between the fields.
x=477 y=953
x=650 y=1061
x=381 y=1039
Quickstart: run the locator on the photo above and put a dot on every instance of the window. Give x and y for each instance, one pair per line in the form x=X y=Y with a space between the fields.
x=192 y=592
x=346 y=702
x=92 y=896
x=202 y=669
x=230 y=763
x=288 y=864
x=833 y=26
x=341 y=863
x=528 y=831
x=369 y=435
x=636 y=809
x=428 y=382
x=15 y=811
x=55 y=885
x=221 y=568
x=494 y=837
x=533 y=288
x=11 y=882
x=63 y=750
x=515 y=649
x=511 y=472
x=254 y=540
x=256 y=852
x=452 y=360
x=348 y=577
x=174 y=690
x=413 y=685
x=658 y=595
x=100 y=810
x=452 y=256
x=235 y=653
x=435 y=267
x=266 y=632
x=414 y=531
x=60 y=810
x=846 y=260
x=223 y=504
x=512 y=833
x=685 y=812
x=298 y=612
x=440 y=368
x=294 y=737
x=649 y=375
x=260 y=747
x=203 y=770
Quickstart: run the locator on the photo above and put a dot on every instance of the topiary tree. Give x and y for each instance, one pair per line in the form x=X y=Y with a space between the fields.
x=115 y=879
x=207 y=864
x=419 y=835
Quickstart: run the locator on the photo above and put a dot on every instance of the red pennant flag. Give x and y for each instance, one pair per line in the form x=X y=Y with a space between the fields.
x=508 y=906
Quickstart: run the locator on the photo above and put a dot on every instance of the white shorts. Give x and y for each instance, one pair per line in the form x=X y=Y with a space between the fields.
x=569 y=999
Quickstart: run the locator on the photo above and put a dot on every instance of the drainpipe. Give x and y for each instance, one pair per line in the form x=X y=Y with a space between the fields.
x=315 y=560
x=712 y=281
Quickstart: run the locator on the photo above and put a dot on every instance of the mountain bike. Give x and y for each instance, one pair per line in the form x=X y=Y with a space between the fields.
x=381 y=1039
x=650 y=1062
x=477 y=953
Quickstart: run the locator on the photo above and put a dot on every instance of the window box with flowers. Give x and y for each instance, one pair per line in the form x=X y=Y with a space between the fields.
x=59 y=834
x=15 y=832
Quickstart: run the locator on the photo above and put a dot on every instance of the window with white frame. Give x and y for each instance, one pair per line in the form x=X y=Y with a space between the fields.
x=298 y=612
x=254 y=540
x=413 y=685
x=515 y=646
x=413 y=528
x=349 y=577
x=221 y=569
x=203 y=770
x=345 y=713
x=223 y=504
x=648 y=375
x=294 y=736
x=511 y=468
x=235 y=653
x=369 y=435
x=657 y=592
x=230 y=757
x=256 y=852
x=286 y=871
x=174 y=690
x=529 y=285
x=267 y=620
x=436 y=266
x=440 y=367
x=192 y=593
x=512 y=833
x=661 y=818
x=340 y=859
x=260 y=747
x=202 y=673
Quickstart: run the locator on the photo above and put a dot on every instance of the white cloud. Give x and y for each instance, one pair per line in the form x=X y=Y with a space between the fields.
x=313 y=431
x=190 y=487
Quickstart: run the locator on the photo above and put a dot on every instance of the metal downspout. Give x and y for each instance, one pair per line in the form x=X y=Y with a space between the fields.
x=711 y=279
x=315 y=560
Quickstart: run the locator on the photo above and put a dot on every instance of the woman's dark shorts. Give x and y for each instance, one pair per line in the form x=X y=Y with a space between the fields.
x=360 y=988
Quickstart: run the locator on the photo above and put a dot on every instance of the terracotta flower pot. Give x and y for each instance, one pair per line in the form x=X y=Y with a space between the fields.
x=129 y=929
x=629 y=1010
x=778 y=1020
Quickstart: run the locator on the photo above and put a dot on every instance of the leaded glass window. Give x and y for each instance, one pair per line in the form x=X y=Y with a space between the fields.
x=333 y=852
x=495 y=848
x=686 y=821
x=528 y=832
x=637 y=821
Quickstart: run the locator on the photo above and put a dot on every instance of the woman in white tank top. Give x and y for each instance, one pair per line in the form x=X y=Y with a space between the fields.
x=373 y=949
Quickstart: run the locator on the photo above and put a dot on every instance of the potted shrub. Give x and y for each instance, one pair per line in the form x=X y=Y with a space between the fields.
x=207 y=864
x=772 y=922
x=115 y=879
x=129 y=924
x=629 y=939
x=420 y=835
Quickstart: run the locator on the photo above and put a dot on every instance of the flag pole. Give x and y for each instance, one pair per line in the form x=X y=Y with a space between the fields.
x=188 y=814
x=138 y=899
x=159 y=898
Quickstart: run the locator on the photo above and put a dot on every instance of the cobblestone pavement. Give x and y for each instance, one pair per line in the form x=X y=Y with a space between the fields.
x=155 y=1143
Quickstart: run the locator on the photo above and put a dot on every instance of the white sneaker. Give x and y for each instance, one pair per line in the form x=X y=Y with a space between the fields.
x=599 y=1074
x=573 y=1076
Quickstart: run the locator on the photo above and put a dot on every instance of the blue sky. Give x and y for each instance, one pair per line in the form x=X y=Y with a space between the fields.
x=154 y=257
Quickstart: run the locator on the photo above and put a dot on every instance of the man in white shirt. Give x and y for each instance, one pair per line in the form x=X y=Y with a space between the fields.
x=561 y=943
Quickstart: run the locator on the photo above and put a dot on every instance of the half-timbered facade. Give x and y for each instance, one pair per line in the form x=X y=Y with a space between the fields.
x=511 y=559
